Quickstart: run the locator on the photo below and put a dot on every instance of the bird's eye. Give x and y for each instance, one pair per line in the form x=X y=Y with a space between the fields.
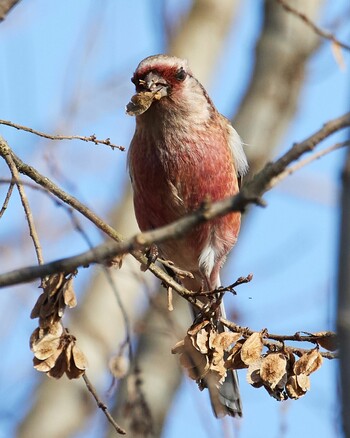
x=181 y=74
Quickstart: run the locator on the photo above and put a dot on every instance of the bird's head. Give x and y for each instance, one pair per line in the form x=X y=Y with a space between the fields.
x=166 y=83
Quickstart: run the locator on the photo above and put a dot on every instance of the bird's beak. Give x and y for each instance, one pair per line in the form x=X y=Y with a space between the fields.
x=156 y=84
x=154 y=88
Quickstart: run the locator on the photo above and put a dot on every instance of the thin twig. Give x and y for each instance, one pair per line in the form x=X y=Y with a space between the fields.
x=92 y=138
x=5 y=7
x=321 y=32
x=302 y=163
x=7 y=198
x=229 y=288
x=27 y=210
x=102 y=406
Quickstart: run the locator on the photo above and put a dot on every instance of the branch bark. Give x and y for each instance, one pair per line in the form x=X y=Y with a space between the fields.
x=5 y=7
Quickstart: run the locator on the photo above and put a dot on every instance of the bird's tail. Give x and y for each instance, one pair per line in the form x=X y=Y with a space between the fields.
x=226 y=399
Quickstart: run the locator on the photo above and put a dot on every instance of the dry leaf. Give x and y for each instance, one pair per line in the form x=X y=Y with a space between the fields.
x=273 y=370
x=308 y=363
x=252 y=348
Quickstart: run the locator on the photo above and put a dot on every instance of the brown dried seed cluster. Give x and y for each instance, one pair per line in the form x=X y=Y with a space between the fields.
x=202 y=355
x=140 y=102
x=56 y=353
x=58 y=293
x=54 y=348
x=202 y=352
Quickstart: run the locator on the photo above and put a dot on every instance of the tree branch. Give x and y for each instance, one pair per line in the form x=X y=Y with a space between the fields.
x=92 y=138
x=5 y=7
x=250 y=193
x=321 y=32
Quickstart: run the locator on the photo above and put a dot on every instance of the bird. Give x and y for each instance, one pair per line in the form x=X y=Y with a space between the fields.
x=183 y=154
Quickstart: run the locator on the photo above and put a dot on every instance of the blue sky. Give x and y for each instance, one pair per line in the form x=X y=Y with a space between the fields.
x=290 y=246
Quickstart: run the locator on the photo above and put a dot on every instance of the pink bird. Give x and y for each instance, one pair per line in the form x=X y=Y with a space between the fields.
x=184 y=152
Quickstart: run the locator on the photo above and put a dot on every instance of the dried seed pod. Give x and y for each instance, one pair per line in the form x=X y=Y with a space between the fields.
x=308 y=363
x=140 y=102
x=252 y=348
x=234 y=360
x=253 y=374
x=273 y=370
x=297 y=386
x=119 y=366
x=327 y=340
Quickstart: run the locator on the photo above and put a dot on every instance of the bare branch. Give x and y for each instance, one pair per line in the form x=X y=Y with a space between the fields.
x=5 y=7
x=321 y=32
x=27 y=210
x=308 y=160
x=92 y=138
x=7 y=198
x=102 y=406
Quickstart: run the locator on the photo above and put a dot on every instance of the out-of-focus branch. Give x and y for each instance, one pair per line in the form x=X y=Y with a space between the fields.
x=282 y=53
x=344 y=297
x=5 y=7
x=321 y=32
x=24 y=200
x=91 y=138
x=251 y=192
x=206 y=17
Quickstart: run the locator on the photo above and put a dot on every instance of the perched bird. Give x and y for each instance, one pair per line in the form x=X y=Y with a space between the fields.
x=183 y=153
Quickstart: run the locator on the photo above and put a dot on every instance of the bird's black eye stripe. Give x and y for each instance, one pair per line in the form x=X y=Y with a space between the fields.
x=181 y=74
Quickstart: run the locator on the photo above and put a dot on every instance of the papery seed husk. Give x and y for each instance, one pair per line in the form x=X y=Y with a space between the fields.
x=303 y=382
x=218 y=373
x=195 y=328
x=79 y=358
x=253 y=374
x=54 y=282
x=46 y=347
x=200 y=341
x=308 y=363
x=119 y=366
x=35 y=313
x=140 y=102
x=178 y=347
x=293 y=389
x=69 y=294
x=34 y=338
x=41 y=365
x=225 y=339
x=252 y=348
x=328 y=340
x=60 y=367
x=234 y=360
x=273 y=369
